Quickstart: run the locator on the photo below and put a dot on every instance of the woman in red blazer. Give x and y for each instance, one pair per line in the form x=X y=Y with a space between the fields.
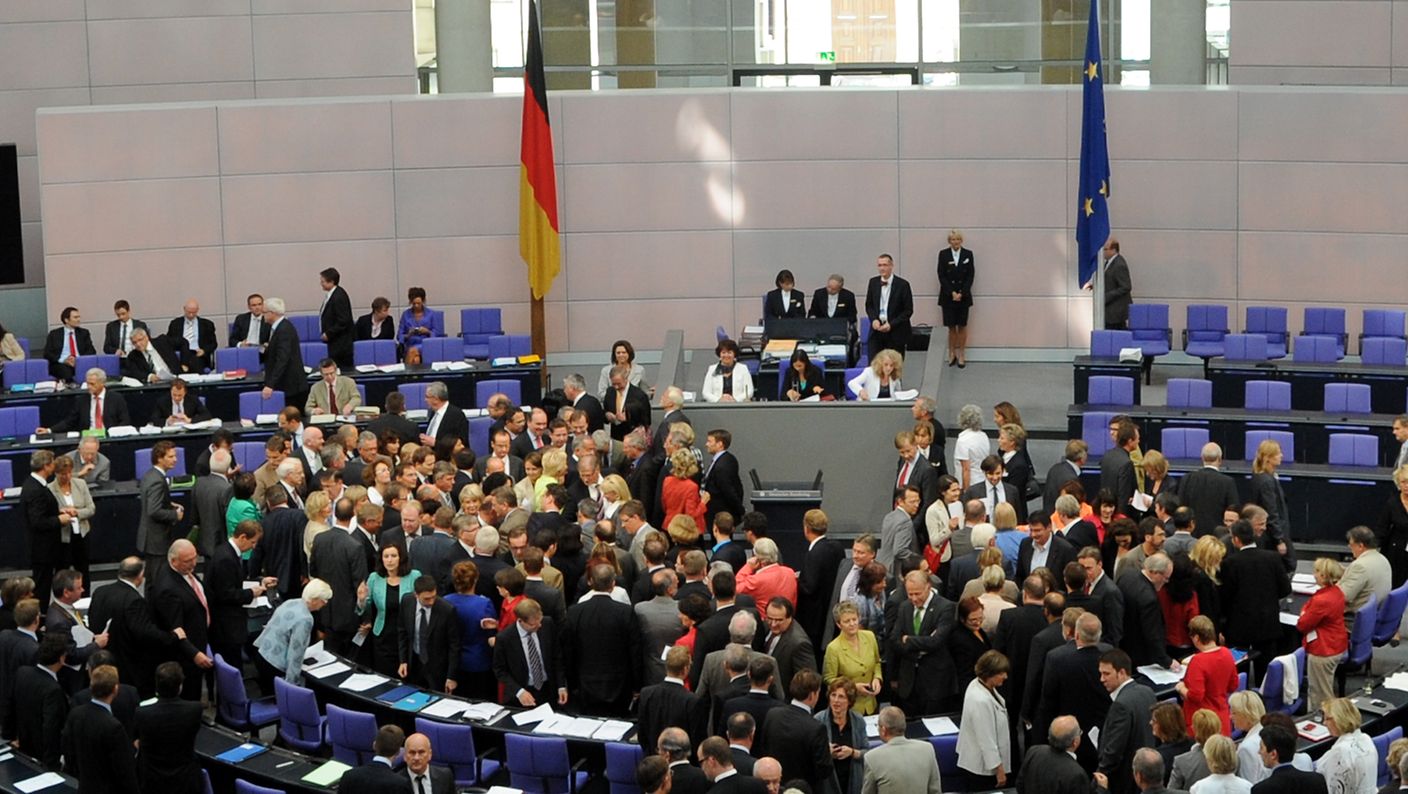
x=1211 y=675
x=1322 y=624
x=680 y=491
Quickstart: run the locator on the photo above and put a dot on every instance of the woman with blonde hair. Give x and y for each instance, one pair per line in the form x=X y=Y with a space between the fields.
x=318 y=508
x=1268 y=495
x=614 y=493
x=554 y=472
x=1207 y=553
x=853 y=656
x=1351 y=765
x=1221 y=755
x=526 y=489
x=1322 y=624
x=471 y=499
x=988 y=558
x=994 y=601
x=1192 y=766
x=1156 y=479
x=1247 y=710
x=881 y=379
x=680 y=494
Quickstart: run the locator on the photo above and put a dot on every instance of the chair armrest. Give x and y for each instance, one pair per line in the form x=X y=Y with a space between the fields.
x=1185 y=338
x=492 y=752
x=572 y=775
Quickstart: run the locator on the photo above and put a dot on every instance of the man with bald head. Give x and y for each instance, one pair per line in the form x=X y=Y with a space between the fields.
x=425 y=779
x=199 y=334
x=1052 y=768
x=1071 y=685
x=901 y=765
x=180 y=602
x=768 y=770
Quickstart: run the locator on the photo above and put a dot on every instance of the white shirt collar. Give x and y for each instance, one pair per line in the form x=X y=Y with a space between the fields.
x=1115 y=695
x=727 y=773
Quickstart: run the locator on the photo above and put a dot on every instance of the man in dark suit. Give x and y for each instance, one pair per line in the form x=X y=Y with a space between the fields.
x=1105 y=598
x=1016 y=628
x=1076 y=530
x=601 y=644
x=181 y=407
x=574 y=387
x=40 y=703
x=673 y=745
x=338 y=560
x=642 y=471
x=283 y=359
x=889 y=304
x=446 y=418
x=834 y=300
x=154 y=358
x=913 y=471
x=1056 y=633
x=226 y=594
x=429 y=635
x=534 y=435
x=251 y=328
x=1118 y=288
x=672 y=405
x=528 y=659
x=1050 y=768
x=1063 y=471
x=787 y=641
x=45 y=521
x=818 y=577
x=758 y=700
x=181 y=602
x=134 y=639
x=335 y=318
x=97 y=749
x=1043 y=549
x=669 y=705
x=379 y=775
x=499 y=448
x=62 y=619
x=626 y=406
x=926 y=674
x=1143 y=637
x=95 y=407
x=993 y=490
x=199 y=334
x=1278 y=747
x=160 y=516
x=1127 y=726
x=740 y=730
x=798 y=742
x=721 y=478
x=65 y=344
x=1208 y=492
x=717 y=764
x=1255 y=581
x=19 y=647
x=1116 y=465
x=281 y=560
x=117 y=334
x=1070 y=684
x=166 y=733
x=424 y=778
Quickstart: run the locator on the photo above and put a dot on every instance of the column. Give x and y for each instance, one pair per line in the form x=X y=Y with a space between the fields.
x=464 y=49
x=1177 y=42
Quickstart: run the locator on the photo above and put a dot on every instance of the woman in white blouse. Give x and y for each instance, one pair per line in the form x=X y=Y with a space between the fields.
x=984 y=744
x=622 y=354
x=1221 y=753
x=72 y=491
x=881 y=379
x=971 y=447
x=727 y=381
x=1351 y=765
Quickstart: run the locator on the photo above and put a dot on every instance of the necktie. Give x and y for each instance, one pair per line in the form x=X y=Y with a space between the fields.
x=918 y=618
x=72 y=345
x=98 y=412
x=151 y=361
x=536 y=674
x=423 y=636
x=904 y=475
x=620 y=402
x=992 y=497
x=420 y=784
x=200 y=594
x=126 y=339
x=332 y=399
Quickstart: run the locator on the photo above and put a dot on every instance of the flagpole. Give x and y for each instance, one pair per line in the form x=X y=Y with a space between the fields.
x=540 y=338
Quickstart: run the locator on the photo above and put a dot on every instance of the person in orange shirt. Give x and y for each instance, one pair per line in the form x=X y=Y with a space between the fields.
x=764 y=577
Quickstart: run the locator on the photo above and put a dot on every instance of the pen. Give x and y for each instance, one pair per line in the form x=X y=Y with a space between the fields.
x=284 y=764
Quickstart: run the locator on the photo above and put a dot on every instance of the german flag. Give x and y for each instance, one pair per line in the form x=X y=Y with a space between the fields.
x=537 y=183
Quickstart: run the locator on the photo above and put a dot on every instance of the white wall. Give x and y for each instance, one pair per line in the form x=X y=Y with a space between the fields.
x=60 y=53
x=678 y=207
x=1319 y=42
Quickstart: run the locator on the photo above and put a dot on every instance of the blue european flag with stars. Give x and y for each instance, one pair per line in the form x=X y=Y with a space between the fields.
x=1092 y=211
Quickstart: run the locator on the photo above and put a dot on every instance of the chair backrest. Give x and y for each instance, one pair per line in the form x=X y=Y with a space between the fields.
x=1110 y=390
x=621 y=760
x=510 y=345
x=1317 y=349
x=1268 y=320
x=7 y=474
x=232 y=702
x=1206 y=321
x=249 y=454
x=720 y=333
x=481 y=321
x=518 y=755
x=454 y=748
x=1095 y=431
x=1381 y=744
x=1246 y=347
x=479 y=434
x=442 y=348
x=1189 y=393
x=550 y=757
x=485 y=389
x=1266 y=395
x=27 y=371
x=107 y=362
x=142 y=460
x=1391 y=615
x=946 y=750
x=252 y=404
x=1273 y=686
x=1148 y=317
x=1353 y=449
x=850 y=373
x=1183 y=443
x=246 y=787
x=414 y=394
x=300 y=724
x=245 y=358
x=1285 y=438
x=373 y=351
x=351 y=734
x=1324 y=320
x=205 y=787
x=782 y=371
x=1384 y=323
x=308 y=326
x=1361 y=635
x=18 y=421
x=1382 y=351
x=313 y=352
x=1107 y=344
x=1348 y=398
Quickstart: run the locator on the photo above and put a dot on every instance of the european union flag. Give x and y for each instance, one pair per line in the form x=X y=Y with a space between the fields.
x=1092 y=215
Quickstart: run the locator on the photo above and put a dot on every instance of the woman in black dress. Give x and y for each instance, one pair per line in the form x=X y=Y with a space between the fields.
x=802 y=379
x=786 y=300
x=956 y=296
x=968 y=640
x=1268 y=494
x=1393 y=528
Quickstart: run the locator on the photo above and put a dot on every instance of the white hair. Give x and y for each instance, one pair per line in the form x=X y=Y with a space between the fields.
x=274 y=305
x=317 y=590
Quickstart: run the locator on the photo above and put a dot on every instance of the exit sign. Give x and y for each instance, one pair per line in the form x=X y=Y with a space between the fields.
x=828 y=56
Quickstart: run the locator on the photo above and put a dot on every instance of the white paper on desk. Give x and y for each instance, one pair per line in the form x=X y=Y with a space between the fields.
x=176 y=428
x=325 y=670
x=550 y=723
x=1141 y=501
x=1094 y=734
x=391 y=368
x=1304 y=589
x=1398 y=681
x=577 y=727
x=318 y=655
x=417 y=414
x=12 y=492
x=48 y=439
x=503 y=790
x=258 y=603
x=612 y=730
x=940 y=726
x=481 y=712
x=361 y=682
x=1161 y=676
x=365 y=368
x=144 y=430
x=129 y=382
x=445 y=709
x=209 y=424
x=905 y=394
x=872 y=726
x=40 y=782
x=532 y=715
x=815 y=398
x=1288 y=619
x=265 y=419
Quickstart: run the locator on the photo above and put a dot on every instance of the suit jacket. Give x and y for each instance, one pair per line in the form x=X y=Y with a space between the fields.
x=364 y=328
x=669 y=705
x=58 y=621
x=710 y=635
x=801 y=745
x=1046 y=770
x=956 y=275
x=374 y=777
x=178 y=606
x=1107 y=602
x=133 y=635
x=924 y=659
x=757 y=705
x=404 y=428
x=1070 y=684
x=240 y=330
x=1016 y=629
x=1143 y=636
x=54 y=345
x=1253 y=583
x=642 y=477
x=166 y=760
x=901 y=765
x=283 y=362
x=662 y=430
x=1059 y=552
x=1289 y=780
x=211 y=498
x=40 y=710
x=338 y=326
x=591 y=406
x=17 y=651
x=741 y=783
x=845 y=304
x=440 y=780
x=724 y=486
x=601 y=644
x=1118 y=292
x=338 y=560
x=191 y=406
x=549 y=598
x=101 y=473
x=224 y=591
x=1081 y=533
x=112 y=334
x=135 y=365
x=659 y=620
x=159 y=519
x=637 y=407
x=815 y=586
x=41 y=515
x=1046 y=640
x=453 y=424
x=511 y=665
x=205 y=340
x=343 y=388
x=80 y=416
x=901 y=306
x=442 y=646
x=796 y=306
x=1058 y=475
x=793 y=652
x=1126 y=729
x=979 y=491
x=98 y=752
x=1117 y=474
x=1208 y=492
x=514 y=469
x=522 y=445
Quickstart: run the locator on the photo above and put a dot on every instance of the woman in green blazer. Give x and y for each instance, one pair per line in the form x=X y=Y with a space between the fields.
x=378 y=600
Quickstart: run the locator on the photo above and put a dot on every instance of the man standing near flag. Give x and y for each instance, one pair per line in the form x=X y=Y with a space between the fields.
x=1118 y=288
x=1092 y=209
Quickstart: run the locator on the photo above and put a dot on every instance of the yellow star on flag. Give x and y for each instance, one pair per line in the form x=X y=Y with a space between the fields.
x=1092 y=70
x=1104 y=189
x=1089 y=207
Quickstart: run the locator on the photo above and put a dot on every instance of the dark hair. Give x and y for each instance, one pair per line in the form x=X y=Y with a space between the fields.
x=169 y=679
x=786 y=606
x=967 y=606
x=389 y=739
x=465 y=575
x=784 y=276
x=159 y=450
x=1117 y=659
x=332 y=275
x=63 y=315
x=696 y=607
x=379 y=303
x=630 y=351
x=512 y=580
x=53 y=647
x=991 y=464
x=243 y=485
x=798 y=354
x=1279 y=740
x=651 y=772
x=726 y=344
x=403 y=567
x=415 y=292
x=804 y=684
x=425 y=583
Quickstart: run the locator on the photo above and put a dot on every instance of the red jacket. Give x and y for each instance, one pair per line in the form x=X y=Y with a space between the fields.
x=681 y=495
x=1211 y=677
x=1324 y=615
x=764 y=583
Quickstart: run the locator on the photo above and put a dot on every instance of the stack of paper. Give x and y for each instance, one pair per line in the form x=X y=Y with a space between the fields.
x=329 y=669
x=612 y=730
x=483 y=712
x=1398 y=681
x=1304 y=584
x=1161 y=676
x=364 y=368
x=532 y=715
x=940 y=726
x=445 y=709
x=124 y=431
x=391 y=368
x=328 y=774
x=361 y=682
x=315 y=655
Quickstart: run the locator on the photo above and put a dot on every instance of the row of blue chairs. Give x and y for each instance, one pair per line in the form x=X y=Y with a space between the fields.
x=1207 y=329
x=1186 y=443
x=1309 y=348
x=478 y=327
x=1258 y=395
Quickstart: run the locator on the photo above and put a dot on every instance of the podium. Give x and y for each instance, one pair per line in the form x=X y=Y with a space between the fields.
x=784 y=504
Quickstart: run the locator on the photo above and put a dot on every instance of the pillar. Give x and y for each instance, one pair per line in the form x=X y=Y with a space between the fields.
x=464 y=52
x=1178 y=42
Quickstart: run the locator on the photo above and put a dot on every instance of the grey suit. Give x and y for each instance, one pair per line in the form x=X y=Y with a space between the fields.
x=659 y=620
x=102 y=469
x=1188 y=768
x=896 y=540
x=159 y=518
x=211 y=497
x=901 y=766
x=714 y=679
x=338 y=560
x=1126 y=729
x=843 y=570
x=793 y=653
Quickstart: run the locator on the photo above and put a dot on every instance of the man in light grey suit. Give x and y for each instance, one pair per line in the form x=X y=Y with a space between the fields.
x=211 y=497
x=160 y=516
x=90 y=464
x=897 y=531
x=659 y=620
x=900 y=765
x=1119 y=290
x=1127 y=725
x=714 y=678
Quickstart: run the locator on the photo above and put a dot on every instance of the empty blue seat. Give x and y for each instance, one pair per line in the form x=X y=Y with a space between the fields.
x=351 y=734
x=1183 y=443
x=1390 y=615
x=1326 y=321
x=7 y=474
x=1205 y=329
x=308 y=326
x=1111 y=390
x=313 y=353
x=1267 y=395
x=621 y=760
x=479 y=434
x=1382 y=323
x=300 y=724
x=441 y=348
x=1095 y=431
x=1347 y=398
x=1245 y=347
x=414 y=394
x=1285 y=438
x=477 y=325
x=485 y=389
x=248 y=454
x=541 y=764
x=253 y=403
x=107 y=362
x=1269 y=321
x=1382 y=351
x=1353 y=449
x=1108 y=344
x=1189 y=393
x=1148 y=322
x=19 y=421
x=454 y=750
x=510 y=345
x=232 y=358
x=29 y=371
x=142 y=460
x=1317 y=349
x=373 y=351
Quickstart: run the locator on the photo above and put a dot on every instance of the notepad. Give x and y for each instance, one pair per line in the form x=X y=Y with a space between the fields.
x=242 y=752
x=40 y=782
x=533 y=715
x=612 y=730
x=396 y=693
x=327 y=774
x=361 y=682
x=1161 y=676
x=325 y=670
x=940 y=726
x=415 y=702
x=445 y=709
